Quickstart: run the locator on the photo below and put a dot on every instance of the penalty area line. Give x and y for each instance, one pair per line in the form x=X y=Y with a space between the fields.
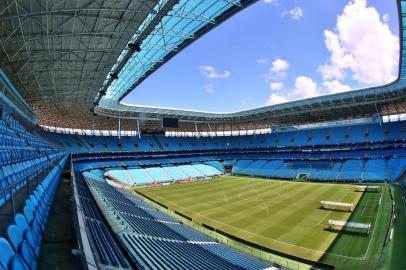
x=373 y=230
x=257 y=235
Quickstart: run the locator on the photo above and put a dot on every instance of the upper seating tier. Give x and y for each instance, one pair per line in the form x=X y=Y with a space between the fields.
x=332 y=136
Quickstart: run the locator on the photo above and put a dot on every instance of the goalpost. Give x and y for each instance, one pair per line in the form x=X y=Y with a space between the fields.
x=368 y=188
x=337 y=205
x=354 y=226
x=302 y=176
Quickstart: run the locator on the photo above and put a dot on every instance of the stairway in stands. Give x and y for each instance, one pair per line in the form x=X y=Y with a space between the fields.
x=158 y=142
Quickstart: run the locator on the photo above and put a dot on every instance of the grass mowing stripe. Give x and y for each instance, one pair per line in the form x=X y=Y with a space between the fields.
x=275 y=208
x=281 y=215
x=366 y=248
x=191 y=191
x=393 y=256
x=299 y=232
x=181 y=199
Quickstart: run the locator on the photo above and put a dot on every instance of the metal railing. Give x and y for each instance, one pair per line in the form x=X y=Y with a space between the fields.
x=38 y=175
x=12 y=97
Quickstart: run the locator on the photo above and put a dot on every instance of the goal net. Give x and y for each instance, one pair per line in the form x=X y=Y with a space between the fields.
x=302 y=176
x=338 y=225
x=336 y=205
x=368 y=188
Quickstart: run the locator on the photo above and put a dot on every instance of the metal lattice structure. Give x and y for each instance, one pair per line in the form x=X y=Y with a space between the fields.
x=74 y=59
x=58 y=53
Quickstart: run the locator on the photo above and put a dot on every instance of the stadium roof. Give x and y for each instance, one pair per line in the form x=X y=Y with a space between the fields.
x=67 y=59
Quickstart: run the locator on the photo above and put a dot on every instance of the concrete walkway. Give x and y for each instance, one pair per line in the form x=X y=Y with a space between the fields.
x=58 y=240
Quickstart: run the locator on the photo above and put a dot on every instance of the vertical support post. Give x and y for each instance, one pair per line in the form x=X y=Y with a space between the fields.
x=12 y=201
x=208 y=124
x=138 y=129
x=28 y=186
x=197 y=131
x=93 y=123
x=379 y=115
x=119 y=128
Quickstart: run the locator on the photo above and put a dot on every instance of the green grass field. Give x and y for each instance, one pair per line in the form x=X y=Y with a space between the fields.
x=393 y=256
x=284 y=216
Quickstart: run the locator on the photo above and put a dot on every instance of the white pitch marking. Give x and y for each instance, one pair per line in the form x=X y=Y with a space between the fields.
x=373 y=228
x=260 y=236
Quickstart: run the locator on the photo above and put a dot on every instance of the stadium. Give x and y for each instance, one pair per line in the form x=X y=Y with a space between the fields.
x=88 y=181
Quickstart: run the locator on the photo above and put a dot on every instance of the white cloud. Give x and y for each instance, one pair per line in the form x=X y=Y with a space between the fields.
x=305 y=87
x=278 y=69
x=211 y=72
x=279 y=65
x=209 y=88
x=269 y=1
x=363 y=46
x=335 y=87
x=276 y=99
x=262 y=61
x=386 y=18
x=295 y=13
x=276 y=85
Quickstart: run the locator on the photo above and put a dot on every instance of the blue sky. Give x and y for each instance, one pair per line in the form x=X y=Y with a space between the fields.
x=280 y=50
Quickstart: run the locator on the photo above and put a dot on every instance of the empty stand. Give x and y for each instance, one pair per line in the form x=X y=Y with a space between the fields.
x=137 y=175
x=154 y=240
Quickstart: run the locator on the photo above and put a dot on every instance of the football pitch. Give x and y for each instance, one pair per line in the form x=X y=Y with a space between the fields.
x=284 y=216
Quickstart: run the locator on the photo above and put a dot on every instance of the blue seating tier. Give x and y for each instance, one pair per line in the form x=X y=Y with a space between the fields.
x=156 y=241
x=370 y=170
x=337 y=135
x=22 y=248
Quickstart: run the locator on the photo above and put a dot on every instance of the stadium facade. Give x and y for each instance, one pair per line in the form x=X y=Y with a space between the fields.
x=65 y=68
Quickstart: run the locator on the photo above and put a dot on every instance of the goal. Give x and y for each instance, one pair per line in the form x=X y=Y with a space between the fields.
x=302 y=176
x=337 y=206
x=338 y=225
x=368 y=188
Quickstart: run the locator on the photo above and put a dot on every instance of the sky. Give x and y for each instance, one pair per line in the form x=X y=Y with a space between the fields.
x=277 y=51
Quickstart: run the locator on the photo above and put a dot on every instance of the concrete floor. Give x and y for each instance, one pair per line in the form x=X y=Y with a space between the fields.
x=6 y=211
x=58 y=240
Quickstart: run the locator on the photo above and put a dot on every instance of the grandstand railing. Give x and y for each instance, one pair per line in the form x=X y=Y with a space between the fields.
x=222 y=154
x=86 y=241
x=267 y=149
x=38 y=175
x=84 y=251
x=12 y=97
x=280 y=258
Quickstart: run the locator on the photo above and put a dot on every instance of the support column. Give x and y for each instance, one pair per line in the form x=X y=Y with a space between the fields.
x=138 y=129
x=197 y=131
x=379 y=115
x=119 y=128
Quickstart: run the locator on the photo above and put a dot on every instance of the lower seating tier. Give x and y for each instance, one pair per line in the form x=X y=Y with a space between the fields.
x=156 y=241
x=106 y=251
x=22 y=248
x=160 y=174
x=368 y=170
x=15 y=176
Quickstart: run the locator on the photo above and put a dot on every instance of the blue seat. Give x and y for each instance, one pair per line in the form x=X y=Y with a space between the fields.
x=7 y=253
x=9 y=259
x=39 y=209
x=22 y=246
x=27 y=231
x=18 y=264
x=34 y=224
